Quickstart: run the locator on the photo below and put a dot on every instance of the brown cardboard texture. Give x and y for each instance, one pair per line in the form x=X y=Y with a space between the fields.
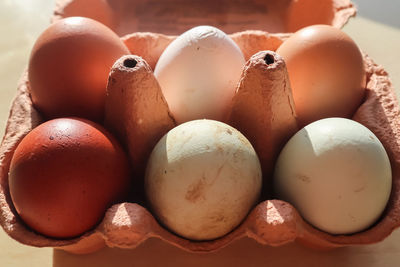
x=272 y=222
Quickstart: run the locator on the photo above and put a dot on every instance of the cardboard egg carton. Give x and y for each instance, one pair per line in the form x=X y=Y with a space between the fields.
x=259 y=28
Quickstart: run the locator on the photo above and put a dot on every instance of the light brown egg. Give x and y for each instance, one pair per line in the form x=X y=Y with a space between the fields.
x=64 y=174
x=69 y=67
x=326 y=72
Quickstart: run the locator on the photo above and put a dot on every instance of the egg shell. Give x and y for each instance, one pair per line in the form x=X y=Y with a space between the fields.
x=69 y=66
x=336 y=173
x=272 y=222
x=190 y=76
x=333 y=89
x=64 y=174
x=202 y=179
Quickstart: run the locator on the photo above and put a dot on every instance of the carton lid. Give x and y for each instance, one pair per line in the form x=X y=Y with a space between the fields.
x=173 y=17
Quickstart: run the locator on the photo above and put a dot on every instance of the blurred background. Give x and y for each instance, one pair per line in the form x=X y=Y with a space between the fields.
x=376 y=29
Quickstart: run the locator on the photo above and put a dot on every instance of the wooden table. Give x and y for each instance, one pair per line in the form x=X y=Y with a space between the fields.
x=376 y=30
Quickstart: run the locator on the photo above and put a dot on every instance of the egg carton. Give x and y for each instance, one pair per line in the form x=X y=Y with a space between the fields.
x=272 y=222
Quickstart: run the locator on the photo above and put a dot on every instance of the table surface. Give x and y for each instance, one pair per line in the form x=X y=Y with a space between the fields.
x=376 y=29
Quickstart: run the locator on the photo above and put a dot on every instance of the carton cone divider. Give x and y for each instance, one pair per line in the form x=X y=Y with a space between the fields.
x=136 y=111
x=263 y=109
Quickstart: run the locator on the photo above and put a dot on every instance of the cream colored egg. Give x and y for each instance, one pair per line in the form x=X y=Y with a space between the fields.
x=202 y=179
x=336 y=173
x=198 y=74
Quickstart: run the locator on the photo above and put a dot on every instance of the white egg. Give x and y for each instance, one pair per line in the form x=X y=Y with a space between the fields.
x=336 y=173
x=202 y=179
x=198 y=74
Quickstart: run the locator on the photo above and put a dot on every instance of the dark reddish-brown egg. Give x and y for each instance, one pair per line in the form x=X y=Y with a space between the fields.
x=69 y=67
x=64 y=174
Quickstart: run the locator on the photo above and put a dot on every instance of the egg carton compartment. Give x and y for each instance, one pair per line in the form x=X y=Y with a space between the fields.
x=272 y=222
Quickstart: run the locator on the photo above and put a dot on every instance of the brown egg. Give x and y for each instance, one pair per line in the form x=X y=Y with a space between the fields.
x=64 y=174
x=69 y=67
x=326 y=72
